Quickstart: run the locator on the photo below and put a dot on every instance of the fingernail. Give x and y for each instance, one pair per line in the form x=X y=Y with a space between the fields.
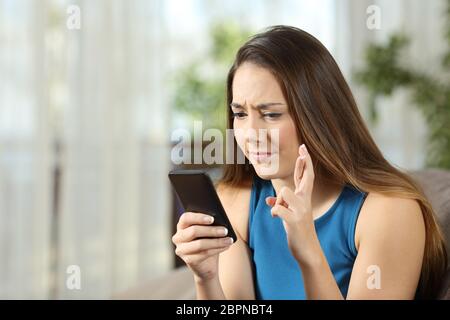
x=222 y=231
x=208 y=219
x=228 y=240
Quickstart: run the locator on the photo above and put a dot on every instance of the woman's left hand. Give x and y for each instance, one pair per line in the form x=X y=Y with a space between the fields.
x=294 y=208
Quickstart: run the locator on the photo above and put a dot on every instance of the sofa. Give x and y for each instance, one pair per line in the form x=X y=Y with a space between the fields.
x=178 y=283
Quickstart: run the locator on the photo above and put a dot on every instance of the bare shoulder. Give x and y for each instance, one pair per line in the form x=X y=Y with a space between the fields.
x=383 y=216
x=389 y=235
x=236 y=202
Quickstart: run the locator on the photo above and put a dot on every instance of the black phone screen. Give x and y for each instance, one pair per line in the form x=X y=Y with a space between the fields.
x=197 y=194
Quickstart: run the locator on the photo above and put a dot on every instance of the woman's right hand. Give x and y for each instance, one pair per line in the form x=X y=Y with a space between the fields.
x=200 y=255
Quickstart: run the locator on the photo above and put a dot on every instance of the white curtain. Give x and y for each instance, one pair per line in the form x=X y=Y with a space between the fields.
x=90 y=103
x=115 y=207
x=25 y=154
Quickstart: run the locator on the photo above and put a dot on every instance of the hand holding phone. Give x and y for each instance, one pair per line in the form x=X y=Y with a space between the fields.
x=199 y=239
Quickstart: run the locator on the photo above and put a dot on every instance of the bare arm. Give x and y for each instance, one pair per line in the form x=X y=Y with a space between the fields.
x=391 y=246
x=318 y=278
x=235 y=271
x=209 y=290
x=235 y=279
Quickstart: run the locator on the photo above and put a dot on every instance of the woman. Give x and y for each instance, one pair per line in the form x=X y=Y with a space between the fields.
x=336 y=220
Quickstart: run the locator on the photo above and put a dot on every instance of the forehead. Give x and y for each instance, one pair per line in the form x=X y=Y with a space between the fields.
x=255 y=84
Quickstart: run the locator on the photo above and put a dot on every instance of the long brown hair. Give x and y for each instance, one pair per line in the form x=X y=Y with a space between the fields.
x=329 y=123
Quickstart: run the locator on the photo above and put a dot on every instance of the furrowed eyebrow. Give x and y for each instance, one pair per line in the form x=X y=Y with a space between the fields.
x=259 y=106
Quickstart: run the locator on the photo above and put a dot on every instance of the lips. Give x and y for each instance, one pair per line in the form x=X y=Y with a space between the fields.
x=257 y=153
x=260 y=156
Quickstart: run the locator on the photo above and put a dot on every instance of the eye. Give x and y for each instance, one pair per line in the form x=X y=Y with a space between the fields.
x=272 y=115
x=239 y=115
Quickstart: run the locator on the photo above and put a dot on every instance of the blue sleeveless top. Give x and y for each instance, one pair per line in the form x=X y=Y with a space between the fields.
x=277 y=273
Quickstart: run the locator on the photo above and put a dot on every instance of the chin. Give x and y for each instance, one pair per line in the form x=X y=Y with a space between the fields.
x=266 y=172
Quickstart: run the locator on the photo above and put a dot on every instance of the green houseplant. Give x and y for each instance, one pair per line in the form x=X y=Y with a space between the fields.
x=200 y=87
x=384 y=73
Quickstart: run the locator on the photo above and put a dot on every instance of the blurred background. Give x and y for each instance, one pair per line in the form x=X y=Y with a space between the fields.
x=88 y=106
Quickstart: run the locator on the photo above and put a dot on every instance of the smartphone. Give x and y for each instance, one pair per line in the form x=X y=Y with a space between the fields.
x=197 y=194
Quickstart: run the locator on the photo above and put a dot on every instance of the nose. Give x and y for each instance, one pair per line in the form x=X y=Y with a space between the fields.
x=255 y=131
